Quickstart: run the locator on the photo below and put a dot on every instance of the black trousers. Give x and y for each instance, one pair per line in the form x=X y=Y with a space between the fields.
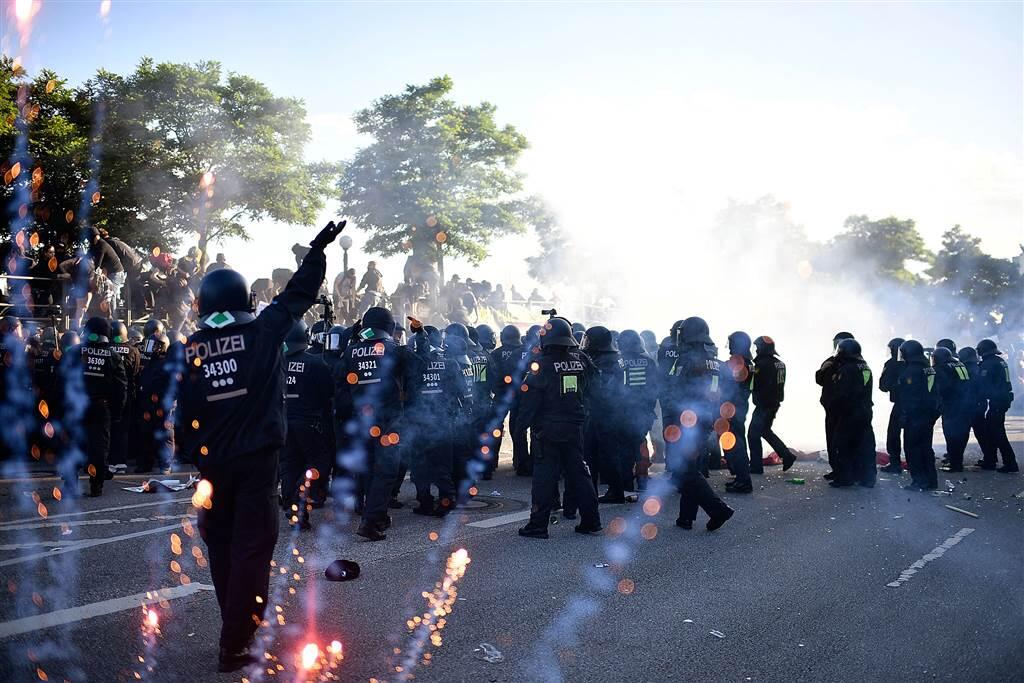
x=917 y=442
x=97 y=446
x=561 y=457
x=893 y=433
x=432 y=467
x=306 y=448
x=977 y=421
x=120 y=435
x=240 y=531
x=996 y=441
x=855 y=452
x=688 y=454
x=522 y=462
x=603 y=446
x=382 y=465
x=737 y=456
x=830 y=428
x=956 y=429
x=761 y=428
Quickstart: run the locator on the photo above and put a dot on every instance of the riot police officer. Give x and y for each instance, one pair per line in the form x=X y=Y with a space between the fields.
x=955 y=393
x=668 y=354
x=374 y=368
x=106 y=389
x=121 y=431
x=997 y=389
x=889 y=382
x=522 y=460
x=641 y=396
x=919 y=404
x=150 y=330
x=465 y=466
x=697 y=396
x=977 y=402
x=484 y=422
x=153 y=409
x=604 y=447
x=769 y=391
x=230 y=422
x=736 y=380
x=344 y=480
x=485 y=336
x=823 y=376
x=850 y=395
x=553 y=399
x=508 y=368
x=309 y=445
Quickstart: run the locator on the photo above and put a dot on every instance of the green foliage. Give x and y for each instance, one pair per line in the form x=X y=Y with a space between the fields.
x=976 y=281
x=883 y=245
x=158 y=131
x=549 y=265
x=434 y=166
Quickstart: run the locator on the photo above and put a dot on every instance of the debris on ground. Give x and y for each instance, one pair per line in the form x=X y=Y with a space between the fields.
x=797 y=481
x=717 y=634
x=602 y=565
x=962 y=511
x=154 y=485
x=489 y=653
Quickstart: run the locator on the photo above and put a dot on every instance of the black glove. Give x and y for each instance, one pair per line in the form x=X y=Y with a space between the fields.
x=327 y=235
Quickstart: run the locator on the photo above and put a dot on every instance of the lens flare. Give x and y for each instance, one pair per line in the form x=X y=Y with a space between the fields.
x=310 y=655
x=152 y=618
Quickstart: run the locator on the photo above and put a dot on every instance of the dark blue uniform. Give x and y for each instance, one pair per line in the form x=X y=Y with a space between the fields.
x=920 y=407
x=507 y=369
x=604 y=446
x=888 y=382
x=997 y=389
x=768 y=389
x=954 y=382
x=309 y=404
x=736 y=380
x=850 y=390
x=640 y=383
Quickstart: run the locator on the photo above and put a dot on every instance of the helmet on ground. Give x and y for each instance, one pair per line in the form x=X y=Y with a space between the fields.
x=912 y=350
x=224 y=300
x=557 y=332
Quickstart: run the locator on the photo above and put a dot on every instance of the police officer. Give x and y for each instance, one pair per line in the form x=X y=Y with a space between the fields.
x=641 y=395
x=823 y=377
x=736 y=380
x=106 y=388
x=309 y=445
x=508 y=368
x=150 y=330
x=919 y=403
x=998 y=391
x=435 y=393
x=485 y=336
x=344 y=480
x=484 y=422
x=317 y=336
x=154 y=405
x=553 y=400
x=697 y=396
x=121 y=432
x=230 y=422
x=668 y=354
x=769 y=391
x=946 y=344
x=955 y=393
x=850 y=394
x=464 y=435
x=604 y=447
x=522 y=461
x=888 y=382
x=374 y=368
x=977 y=403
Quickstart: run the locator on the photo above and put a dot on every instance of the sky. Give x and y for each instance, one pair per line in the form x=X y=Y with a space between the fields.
x=643 y=118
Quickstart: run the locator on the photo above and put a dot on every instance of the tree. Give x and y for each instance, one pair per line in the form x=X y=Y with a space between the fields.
x=549 y=265
x=181 y=148
x=435 y=173
x=883 y=245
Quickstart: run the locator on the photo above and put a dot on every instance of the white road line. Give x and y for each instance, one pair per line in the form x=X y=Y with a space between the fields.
x=97 y=609
x=93 y=512
x=501 y=520
x=41 y=524
x=92 y=543
x=935 y=554
x=36 y=544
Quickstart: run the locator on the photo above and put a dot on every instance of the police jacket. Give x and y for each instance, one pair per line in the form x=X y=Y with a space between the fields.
x=309 y=389
x=890 y=377
x=132 y=360
x=554 y=395
x=995 y=382
x=668 y=354
x=374 y=369
x=483 y=373
x=954 y=384
x=103 y=373
x=823 y=376
x=231 y=398
x=917 y=397
x=607 y=392
x=976 y=401
x=737 y=380
x=768 y=383
x=508 y=367
x=849 y=391
x=155 y=392
x=435 y=392
x=696 y=381
x=640 y=388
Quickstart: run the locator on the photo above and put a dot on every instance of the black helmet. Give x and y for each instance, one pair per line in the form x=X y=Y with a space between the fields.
x=118 y=332
x=379 y=318
x=650 y=340
x=457 y=348
x=153 y=326
x=456 y=330
x=598 y=339
x=986 y=347
x=224 y=299
x=848 y=348
x=485 y=335
x=434 y=335
x=578 y=336
x=946 y=344
x=674 y=332
x=336 y=339
x=296 y=340
x=69 y=339
x=317 y=335
x=97 y=329
x=558 y=332
x=579 y=327
x=135 y=334
x=630 y=341
x=968 y=354
x=764 y=345
x=912 y=350
x=840 y=336
x=894 y=346
x=941 y=355
x=532 y=336
x=474 y=337
x=156 y=345
x=694 y=330
x=739 y=344
x=510 y=336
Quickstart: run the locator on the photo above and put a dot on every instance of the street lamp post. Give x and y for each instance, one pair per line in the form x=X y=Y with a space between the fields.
x=346 y=243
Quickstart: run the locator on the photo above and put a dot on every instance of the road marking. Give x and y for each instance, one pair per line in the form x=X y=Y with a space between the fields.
x=36 y=544
x=97 y=609
x=82 y=545
x=935 y=554
x=93 y=512
x=95 y=522
x=501 y=520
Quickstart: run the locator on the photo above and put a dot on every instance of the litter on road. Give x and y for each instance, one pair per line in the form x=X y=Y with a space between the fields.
x=489 y=653
x=962 y=512
x=717 y=634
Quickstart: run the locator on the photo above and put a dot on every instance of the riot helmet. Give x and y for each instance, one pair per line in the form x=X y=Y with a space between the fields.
x=336 y=339
x=941 y=356
x=153 y=326
x=911 y=350
x=224 y=300
x=946 y=344
x=485 y=336
x=558 y=332
x=739 y=344
x=457 y=349
x=97 y=330
x=764 y=345
x=156 y=345
x=694 y=330
x=598 y=339
x=380 y=319
x=848 y=348
x=296 y=339
x=510 y=336
x=987 y=347
x=967 y=354
x=118 y=332
x=630 y=342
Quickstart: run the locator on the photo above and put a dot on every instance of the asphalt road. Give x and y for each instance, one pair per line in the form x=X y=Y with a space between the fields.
x=797 y=587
